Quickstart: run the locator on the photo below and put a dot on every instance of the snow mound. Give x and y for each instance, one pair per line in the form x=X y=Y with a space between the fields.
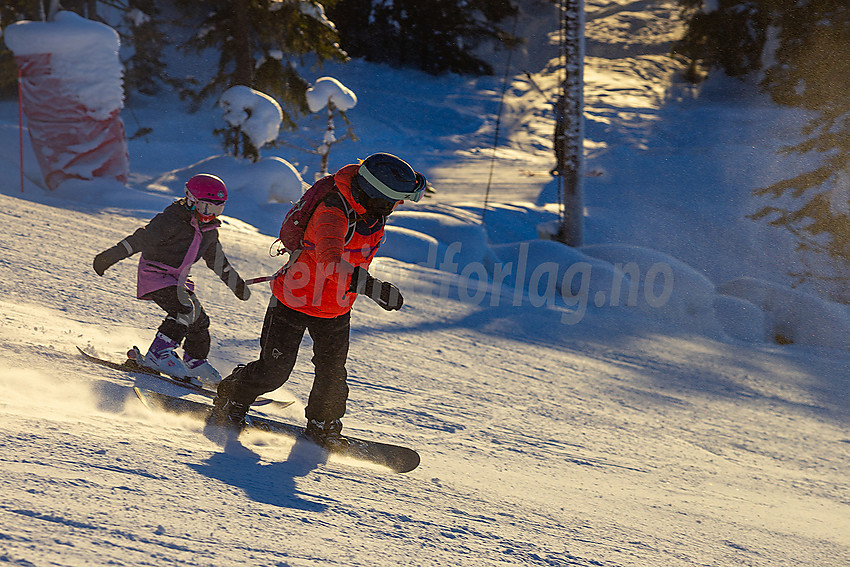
x=270 y=180
x=262 y=192
x=550 y=272
x=460 y=241
x=663 y=287
x=741 y=319
x=793 y=316
x=407 y=245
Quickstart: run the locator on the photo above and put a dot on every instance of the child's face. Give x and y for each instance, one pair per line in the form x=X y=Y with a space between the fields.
x=207 y=211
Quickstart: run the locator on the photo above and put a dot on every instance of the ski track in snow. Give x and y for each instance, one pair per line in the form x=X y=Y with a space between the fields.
x=542 y=444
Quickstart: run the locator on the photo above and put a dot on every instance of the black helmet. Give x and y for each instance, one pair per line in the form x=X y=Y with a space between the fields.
x=390 y=178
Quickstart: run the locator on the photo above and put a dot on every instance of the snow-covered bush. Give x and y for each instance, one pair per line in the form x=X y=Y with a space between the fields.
x=329 y=93
x=253 y=118
x=328 y=90
x=282 y=179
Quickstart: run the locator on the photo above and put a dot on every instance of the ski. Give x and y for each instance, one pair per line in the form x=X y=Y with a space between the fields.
x=397 y=458
x=196 y=386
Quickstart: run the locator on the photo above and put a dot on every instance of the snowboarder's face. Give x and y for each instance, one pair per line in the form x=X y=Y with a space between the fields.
x=375 y=206
x=380 y=207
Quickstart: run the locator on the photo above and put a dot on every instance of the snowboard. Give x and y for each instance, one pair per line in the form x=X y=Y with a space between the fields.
x=195 y=386
x=397 y=458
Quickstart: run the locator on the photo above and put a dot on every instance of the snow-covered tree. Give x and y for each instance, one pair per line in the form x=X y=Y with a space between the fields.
x=328 y=93
x=800 y=48
x=262 y=44
x=432 y=35
x=253 y=120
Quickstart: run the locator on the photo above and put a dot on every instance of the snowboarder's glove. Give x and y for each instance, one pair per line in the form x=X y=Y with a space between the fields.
x=109 y=257
x=384 y=294
x=241 y=290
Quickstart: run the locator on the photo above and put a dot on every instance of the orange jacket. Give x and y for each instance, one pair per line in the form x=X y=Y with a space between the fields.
x=313 y=284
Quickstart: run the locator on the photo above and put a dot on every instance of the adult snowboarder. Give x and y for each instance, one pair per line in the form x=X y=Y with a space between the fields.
x=176 y=238
x=316 y=293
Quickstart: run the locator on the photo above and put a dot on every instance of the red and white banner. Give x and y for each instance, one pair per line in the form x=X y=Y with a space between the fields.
x=72 y=97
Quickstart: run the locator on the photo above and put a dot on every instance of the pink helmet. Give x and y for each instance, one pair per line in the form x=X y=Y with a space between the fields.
x=206 y=195
x=206 y=187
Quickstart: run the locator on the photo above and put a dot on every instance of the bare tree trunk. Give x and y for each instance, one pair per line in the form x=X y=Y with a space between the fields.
x=244 y=72
x=53 y=7
x=330 y=138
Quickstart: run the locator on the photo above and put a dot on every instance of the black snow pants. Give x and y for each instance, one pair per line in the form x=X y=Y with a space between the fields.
x=283 y=329
x=186 y=320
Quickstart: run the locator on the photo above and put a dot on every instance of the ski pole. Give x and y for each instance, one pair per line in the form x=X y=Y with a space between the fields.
x=260 y=279
x=292 y=257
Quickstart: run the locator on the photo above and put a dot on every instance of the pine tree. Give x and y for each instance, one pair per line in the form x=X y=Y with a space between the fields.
x=811 y=73
x=85 y=8
x=259 y=43
x=809 y=43
x=730 y=37
x=145 y=70
x=432 y=35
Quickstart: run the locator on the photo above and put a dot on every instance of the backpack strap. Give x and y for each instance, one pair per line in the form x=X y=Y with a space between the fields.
x=336 y=200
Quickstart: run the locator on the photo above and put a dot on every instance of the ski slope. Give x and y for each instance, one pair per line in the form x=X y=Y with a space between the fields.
x=663 y=436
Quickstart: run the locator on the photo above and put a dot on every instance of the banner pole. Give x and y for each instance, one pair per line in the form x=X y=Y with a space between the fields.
x=21 y=124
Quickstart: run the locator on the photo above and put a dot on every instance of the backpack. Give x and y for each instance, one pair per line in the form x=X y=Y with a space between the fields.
x=295 y=221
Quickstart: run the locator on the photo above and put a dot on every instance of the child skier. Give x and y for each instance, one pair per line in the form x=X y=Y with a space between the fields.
x=316 y=293
x=176 y=238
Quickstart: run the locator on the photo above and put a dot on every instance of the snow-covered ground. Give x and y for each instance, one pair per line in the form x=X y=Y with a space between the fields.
x=555 y=427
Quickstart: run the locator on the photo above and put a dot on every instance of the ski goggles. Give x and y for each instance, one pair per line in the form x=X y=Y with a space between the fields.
x=381 y=189
x=209 y=208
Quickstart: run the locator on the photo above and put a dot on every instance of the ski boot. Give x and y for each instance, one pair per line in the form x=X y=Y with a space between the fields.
x=228 y=413
x=161 y=357
x=201 y=368
x=327 y=434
